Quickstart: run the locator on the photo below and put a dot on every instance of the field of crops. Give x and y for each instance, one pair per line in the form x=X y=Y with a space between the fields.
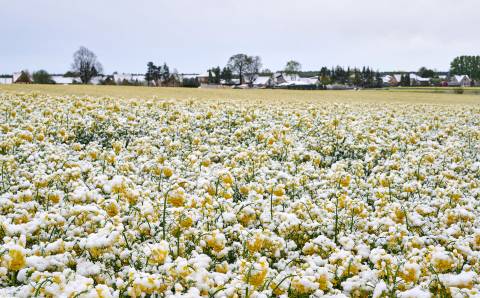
x=113 y=197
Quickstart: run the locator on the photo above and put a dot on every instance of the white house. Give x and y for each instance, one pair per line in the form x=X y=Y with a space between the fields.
x=386 y=80
x=416 y=80
x=392 y=80
x=262 y=82
x=128 y=77
x=188 y=76
x=61 y=80
x=6 y=81
x=460 y=80
x=281 y=77
x=203 y=77
x=285 y=80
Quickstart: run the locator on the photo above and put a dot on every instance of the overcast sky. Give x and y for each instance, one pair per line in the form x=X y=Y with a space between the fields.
x=193 y=35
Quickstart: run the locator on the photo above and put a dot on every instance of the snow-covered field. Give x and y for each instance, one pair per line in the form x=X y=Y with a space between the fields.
x=115 y=198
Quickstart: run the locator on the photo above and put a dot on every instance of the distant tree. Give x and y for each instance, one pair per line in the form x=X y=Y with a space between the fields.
x=253 y=67
x=215 y=75
x=107 y=81
x=325 y=80
x=293 y=67
x=244 y=65
x=165 y=72
x=324 y=71
x=466 y=65
x=158 y=74
x=150 y=75
x=85 y=63
x=407 y=82
x=217 y=71
x=226 y=75
x=71 y=74
x=24 y=77
x=357 y=77
x=210 y=77
x=340 y=75
x=190 y=82
x=378 y=80
x=266 y=72
x=426 y=73
x=369 y=78
x=42 y=77
x=348 y=76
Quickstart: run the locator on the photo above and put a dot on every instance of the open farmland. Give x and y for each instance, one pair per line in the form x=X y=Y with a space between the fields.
x=396 y=95
x=238 y=193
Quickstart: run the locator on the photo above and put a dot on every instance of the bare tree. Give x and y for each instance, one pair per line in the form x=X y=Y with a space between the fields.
x=85 y=63
x=253 y=68
x=238 y=64
x=244 y=65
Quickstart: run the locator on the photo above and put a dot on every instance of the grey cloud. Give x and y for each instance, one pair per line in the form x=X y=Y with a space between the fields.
x=193 y=35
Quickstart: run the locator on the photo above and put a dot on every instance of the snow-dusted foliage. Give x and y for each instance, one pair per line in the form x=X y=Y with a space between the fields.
x=103 y=197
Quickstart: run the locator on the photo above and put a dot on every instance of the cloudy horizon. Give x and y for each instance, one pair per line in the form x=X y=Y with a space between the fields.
x=192 y=36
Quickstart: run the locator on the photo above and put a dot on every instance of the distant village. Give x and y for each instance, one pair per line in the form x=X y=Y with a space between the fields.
x=243 y=71
x=276 y=80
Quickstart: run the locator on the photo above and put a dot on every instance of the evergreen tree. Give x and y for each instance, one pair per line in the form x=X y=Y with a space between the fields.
x=407 y=80
x=226 y=75
x=165 y=72
x=217 y=74
x=357 y=78
x=151 y=72
x=378 y=80
x=210 y=77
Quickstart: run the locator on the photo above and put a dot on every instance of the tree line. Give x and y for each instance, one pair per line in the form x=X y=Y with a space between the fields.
x=245 y=68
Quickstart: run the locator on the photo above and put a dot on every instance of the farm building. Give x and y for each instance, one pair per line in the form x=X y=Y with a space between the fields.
x=16 y=77
x=262 y=82
x=386 y=80
x=203 y=78
x=231 y=82
x=460 y=80
x=129 y=78
x=416 y=80
x=392 y=80
x=281 y=77
x=294 y=80
x=61 y=80
x=6 y=81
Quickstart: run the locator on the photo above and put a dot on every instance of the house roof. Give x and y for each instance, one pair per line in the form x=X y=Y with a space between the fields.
x=189 y=76
x=261 y=80
x=16 y=75
x=414 y=76
x=128 y=77
x=205 y=75
x=299 y=82
x=65 y=80
x=460 y=78
x=387 y=78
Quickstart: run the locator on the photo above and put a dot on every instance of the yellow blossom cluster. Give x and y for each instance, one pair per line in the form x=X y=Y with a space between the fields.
x=107 y=197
